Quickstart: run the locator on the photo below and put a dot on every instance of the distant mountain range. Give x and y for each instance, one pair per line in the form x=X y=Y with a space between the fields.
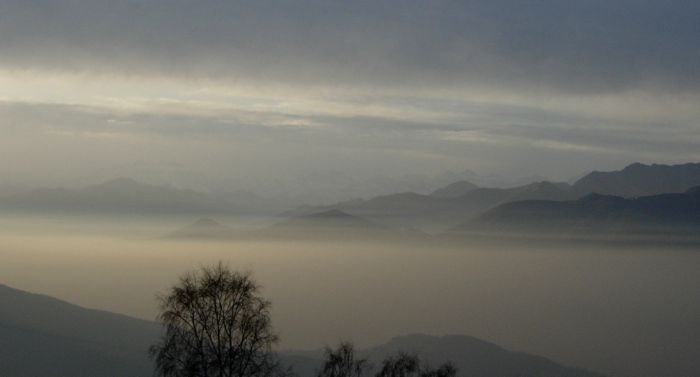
x=322 y=225
x=640 y=180
x=443 y=209
x=454 y=190
x=454 y=204
x=676 y=214
x=43 y=336
x=440 y=210
x=127 y=196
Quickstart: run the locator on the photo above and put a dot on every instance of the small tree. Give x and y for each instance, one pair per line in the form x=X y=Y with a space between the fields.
x=216 y=324
x=445 y=370
x=405 y=365
x=342 y=362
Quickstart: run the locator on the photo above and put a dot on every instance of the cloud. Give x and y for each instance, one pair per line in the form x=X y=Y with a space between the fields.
x=254 y=93
x=592 y=46
x=245 y=147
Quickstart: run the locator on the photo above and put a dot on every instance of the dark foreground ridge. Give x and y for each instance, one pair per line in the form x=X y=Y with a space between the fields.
x=43 y=336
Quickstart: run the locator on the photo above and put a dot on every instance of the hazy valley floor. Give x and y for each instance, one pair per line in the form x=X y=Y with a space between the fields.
x=628 y=311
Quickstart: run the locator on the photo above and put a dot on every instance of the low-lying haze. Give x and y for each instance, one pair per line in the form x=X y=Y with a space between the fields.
x=578 y=304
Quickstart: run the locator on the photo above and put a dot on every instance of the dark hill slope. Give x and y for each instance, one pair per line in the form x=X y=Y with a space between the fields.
x=640 y=180
x=665 y=214
x=475 y=357
x=471 y=356
x=43 y=336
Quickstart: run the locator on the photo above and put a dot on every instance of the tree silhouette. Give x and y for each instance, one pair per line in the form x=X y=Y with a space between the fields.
x=405 y=365
x=216 y=324
x=342 y=362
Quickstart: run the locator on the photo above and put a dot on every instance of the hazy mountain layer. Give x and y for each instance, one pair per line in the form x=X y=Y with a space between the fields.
x=126 y=196
x=434 y=213
x=321 y=225
x=454 y=190
x=640 y=180
x=664 y=215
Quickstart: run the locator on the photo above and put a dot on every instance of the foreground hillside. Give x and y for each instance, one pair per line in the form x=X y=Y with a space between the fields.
x=42 y=336
x=471 y=356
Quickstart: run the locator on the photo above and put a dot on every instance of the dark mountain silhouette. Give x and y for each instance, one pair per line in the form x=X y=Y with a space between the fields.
x=471 y=356
x=640 y=180
x=203 y=228
x=454 y=190
x=460 y=201
x=411 y=210
x=42 y=336
x=665 y=214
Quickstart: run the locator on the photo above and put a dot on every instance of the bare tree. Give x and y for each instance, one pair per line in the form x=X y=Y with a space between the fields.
x=216 y=324
x=403 y=365
x=445 y=370
x=406 y=365
x=342 y=362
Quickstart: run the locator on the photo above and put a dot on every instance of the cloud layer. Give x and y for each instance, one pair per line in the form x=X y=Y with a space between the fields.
x=582 y=47
x=332 y=99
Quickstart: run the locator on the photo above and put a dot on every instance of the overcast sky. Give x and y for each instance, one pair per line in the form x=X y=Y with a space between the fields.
x=334 y=99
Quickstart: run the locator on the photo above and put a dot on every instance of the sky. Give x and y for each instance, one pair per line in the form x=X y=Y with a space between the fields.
x=328 y=100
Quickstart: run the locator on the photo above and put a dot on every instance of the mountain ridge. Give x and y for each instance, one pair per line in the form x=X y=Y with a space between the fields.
x=662 y=214
x=639 y=179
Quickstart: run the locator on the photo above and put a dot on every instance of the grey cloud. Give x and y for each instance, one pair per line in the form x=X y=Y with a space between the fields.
x=583 y=46
x=509 y=128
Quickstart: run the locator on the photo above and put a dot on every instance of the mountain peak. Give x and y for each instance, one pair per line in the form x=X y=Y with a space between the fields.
x=636 y=166
x=639 y=179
